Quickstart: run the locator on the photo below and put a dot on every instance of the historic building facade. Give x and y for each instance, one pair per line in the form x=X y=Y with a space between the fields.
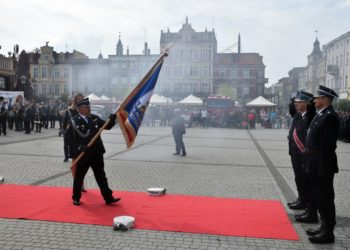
x=189 y=67
x=127 y=70
x=243 y=72
x=193 y=67
x=7 y=72
x=314 y=73
x=50 y=72
x=337 y=64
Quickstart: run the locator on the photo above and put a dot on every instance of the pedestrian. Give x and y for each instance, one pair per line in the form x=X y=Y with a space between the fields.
x=18 y=108
x=28 y=116
x=178 y=128
x=84 y=126
x=305 y=112
x=204 y=115
x=3 y=115
x=321 y=163
x=38 y=118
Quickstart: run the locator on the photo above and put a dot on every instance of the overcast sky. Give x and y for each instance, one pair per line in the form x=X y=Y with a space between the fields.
x=282 y=31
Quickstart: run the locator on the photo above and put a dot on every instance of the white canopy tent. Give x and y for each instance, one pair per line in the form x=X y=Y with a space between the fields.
x=105 y=98
x=93 y=97
x=260 y=102
x=191 y=100
x=160 y=100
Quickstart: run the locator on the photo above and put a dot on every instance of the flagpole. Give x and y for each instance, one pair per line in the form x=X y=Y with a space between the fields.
x=145 y=78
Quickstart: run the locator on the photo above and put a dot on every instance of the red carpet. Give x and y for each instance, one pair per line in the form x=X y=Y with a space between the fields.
x=179 y=213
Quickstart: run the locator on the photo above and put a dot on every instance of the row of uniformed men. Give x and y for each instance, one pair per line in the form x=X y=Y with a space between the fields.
x=312 y=144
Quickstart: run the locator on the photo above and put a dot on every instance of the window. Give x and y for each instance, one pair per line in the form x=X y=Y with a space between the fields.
x=43 y=89
x=193 y=71
x=36 y=72
x=205 y=87
x=245 y=90
x=57 y=89
x=43 y=72
x=246 y=74
x=2 y=83
x=57 y=73
x=205 y=71
x=50 y=88
x=65 y=73
x=234 y=74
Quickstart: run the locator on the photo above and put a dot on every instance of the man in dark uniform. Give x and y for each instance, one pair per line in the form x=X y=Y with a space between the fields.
x=3 y=115
x=178 y=128
x=321 y=163
x=296 y=116
x=84 y=127
x=306 y=112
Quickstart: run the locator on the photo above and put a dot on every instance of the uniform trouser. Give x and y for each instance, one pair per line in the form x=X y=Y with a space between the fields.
x=204 y=122
x=179 y=143
x=3 y=125
x=301 y=180
x=10 y=120
x=95 y=161
x=27 y=126
x=19 y=123
x=65 y=146
x=322 y=187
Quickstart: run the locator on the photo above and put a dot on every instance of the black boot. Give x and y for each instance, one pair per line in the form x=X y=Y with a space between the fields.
x=313 y=232
x=308 y=217
x=298 y=205
x=293 y=202
x=111 y=200
x=326 y=235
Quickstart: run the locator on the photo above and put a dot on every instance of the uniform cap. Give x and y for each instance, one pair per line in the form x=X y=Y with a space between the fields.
x=303 y=96
x=324 y=91
x=84 y=102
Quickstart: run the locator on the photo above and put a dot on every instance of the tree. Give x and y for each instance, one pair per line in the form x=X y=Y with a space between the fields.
x=343 y=105
x=227 y=90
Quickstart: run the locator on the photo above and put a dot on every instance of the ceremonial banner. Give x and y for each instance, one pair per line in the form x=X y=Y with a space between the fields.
x=132 y=110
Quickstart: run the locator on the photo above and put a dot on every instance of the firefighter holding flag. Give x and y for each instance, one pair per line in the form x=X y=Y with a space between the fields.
x=86 y=130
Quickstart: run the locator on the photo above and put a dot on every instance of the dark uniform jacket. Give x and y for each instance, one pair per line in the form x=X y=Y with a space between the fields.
x=178 y=125
x=296 y=117
x=321 y=143
x=80 y=133
x=301 y=127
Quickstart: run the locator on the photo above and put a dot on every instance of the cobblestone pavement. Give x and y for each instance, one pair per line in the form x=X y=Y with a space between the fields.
x=220 y=162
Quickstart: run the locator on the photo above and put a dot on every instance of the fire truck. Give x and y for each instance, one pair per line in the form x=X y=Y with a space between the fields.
x=219 y=109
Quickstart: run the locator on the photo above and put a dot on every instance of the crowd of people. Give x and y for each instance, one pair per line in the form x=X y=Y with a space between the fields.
x=29 y=116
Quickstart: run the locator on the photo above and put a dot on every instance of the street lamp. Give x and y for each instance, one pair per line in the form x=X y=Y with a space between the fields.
x=23 y=79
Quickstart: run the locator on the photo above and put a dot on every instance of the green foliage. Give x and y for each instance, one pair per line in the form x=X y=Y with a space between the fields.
x=227 y=90
x=343 y=105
